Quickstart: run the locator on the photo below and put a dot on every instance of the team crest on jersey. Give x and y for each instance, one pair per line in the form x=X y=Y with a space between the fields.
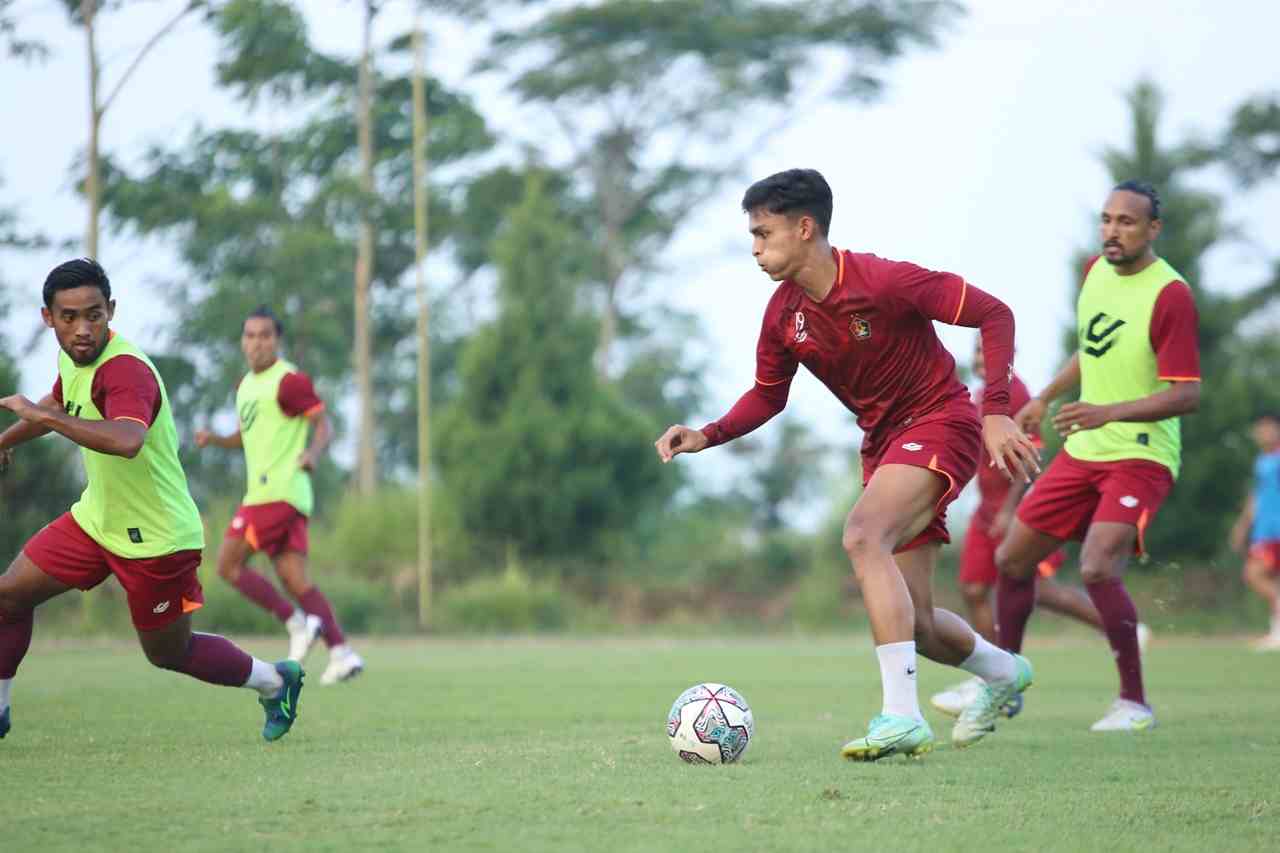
x=860 y=327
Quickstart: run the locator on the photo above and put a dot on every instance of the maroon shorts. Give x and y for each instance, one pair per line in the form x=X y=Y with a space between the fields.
x=978 y=560
x=159 y=589
x=1073 y=494
x=1267 y=552
x=947 y=446
x=272 y=528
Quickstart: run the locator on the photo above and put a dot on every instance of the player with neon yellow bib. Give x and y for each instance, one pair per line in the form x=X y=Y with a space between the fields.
x=1138 y=370
x=136 y=520
x=277 y=406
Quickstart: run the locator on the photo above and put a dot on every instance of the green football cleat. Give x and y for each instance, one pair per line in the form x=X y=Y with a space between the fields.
x=890 y=734
x=4 y=722
x=283 y=709
x=979 y=719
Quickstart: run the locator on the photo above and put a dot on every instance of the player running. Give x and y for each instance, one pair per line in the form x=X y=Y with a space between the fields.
x=1258 y=527
x=864 y=327
x=277 y=404
x=998 y=500
x=135 y=520
x=1138 y=369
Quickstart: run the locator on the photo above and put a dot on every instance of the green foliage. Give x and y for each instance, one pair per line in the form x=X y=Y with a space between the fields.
x=535 y=449
x=1217 y=455
x=507 y=603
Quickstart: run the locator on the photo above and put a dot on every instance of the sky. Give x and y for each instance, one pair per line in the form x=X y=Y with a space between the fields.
x=981 y=158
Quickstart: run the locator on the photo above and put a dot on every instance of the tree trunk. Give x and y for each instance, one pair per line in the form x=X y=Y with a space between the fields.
x=92 y=184
x=366 y=463
x=424 y=348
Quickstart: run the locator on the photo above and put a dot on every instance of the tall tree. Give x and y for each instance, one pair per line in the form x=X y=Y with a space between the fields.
x=85 y=13
x=1235 y=363
x=649 y=98
x=366 y=460
x=15 y=44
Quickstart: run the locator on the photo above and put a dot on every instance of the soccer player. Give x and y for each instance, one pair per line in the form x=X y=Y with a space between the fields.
x=1138 y=369
x=135 y=520
x=277 y=405
x=998 y=500
x=1258 y=527
x=864 y=327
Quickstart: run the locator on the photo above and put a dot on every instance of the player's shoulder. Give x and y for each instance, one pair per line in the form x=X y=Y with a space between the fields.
x=787 y=297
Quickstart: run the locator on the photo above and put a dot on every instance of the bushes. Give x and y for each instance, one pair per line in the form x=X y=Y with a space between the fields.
x=509 y=602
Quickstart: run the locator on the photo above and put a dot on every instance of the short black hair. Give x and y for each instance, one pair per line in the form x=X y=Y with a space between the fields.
x=1143 y=189
x=1274 y=417
x=265 y=311
x=793 y=191
x=81 y=272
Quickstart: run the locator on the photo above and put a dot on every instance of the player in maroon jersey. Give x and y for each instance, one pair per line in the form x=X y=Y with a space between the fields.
x=864 y=327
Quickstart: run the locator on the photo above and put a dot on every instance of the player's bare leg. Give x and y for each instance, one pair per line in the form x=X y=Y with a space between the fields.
x=1107 y=548
x=233 y=567
x=977 y=600
x=1262 y=580
x=344 y=663
x=23 y=588
x=217 y=660
x=1017 y=558
x=1066 y=600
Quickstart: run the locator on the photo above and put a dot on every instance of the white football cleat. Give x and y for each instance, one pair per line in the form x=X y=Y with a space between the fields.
x=342 y=667
x=303 y=629
x=1144 y=637
x=1268 y=643
x=1126 y=716
x=957 y=697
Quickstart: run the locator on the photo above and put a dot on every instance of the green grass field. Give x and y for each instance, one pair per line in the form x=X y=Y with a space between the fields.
x=559 y=745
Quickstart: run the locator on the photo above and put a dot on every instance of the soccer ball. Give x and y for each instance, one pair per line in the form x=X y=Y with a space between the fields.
x=710 y=724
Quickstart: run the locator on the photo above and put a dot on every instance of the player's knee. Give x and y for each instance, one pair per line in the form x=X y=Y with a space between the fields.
x=228 y=567
x=975 y=594
x=1010 y=563
x=864 y=535
x=924 y=625
x=166 y=658
x=12 y=607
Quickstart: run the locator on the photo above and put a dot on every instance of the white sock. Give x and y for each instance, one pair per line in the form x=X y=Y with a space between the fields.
x=339 y=652
x=6 y=684
x=990 y=663
x=898 y=679
x=298 y=619
x=264 y=679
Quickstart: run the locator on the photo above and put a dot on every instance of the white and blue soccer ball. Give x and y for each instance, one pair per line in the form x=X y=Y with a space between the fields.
x=710 y=724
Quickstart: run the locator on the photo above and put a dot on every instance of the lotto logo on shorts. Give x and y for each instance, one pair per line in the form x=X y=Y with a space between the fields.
x=912 y=446
x=160 y=608
x=237 y=523
x=1129 y=502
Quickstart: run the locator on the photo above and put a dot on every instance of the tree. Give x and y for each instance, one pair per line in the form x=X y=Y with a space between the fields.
x=366 y=465
x=85 y=14
x=16 y=45
x=1235 y=363
x=648 y=98
x=540 y=456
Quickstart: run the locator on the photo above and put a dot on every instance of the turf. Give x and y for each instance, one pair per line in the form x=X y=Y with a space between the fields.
x=559 y=745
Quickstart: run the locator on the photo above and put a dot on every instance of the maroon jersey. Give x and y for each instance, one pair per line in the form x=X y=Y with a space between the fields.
x=871 y=341
x=993 y=486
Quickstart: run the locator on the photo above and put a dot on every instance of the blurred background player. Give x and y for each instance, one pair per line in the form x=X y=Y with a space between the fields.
x=864 y=327
x=998 y=499
x=1138 y=369
x=136 y=518
x=277 y=404
x=1258 y=527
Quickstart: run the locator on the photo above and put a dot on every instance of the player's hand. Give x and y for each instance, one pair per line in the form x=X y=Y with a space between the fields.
x=20 y=406
x=307 y=461
x=1009 y=448
x=203 y=437
x=1074 y=417
x=679 y=439
x=1031 y=416
x=1000 y=525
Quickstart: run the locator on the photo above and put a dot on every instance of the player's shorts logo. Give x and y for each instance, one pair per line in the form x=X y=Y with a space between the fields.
x=237 y=523
x=1128 y=502
x=860 y=327
x=160 y=608
x=1100 y=336
x=912 y=446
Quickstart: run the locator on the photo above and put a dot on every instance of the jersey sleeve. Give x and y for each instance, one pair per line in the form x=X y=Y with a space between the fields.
x=1175 y=336
x=948 y=298
x=56 y=393
x=775 y=368
x=125 y=389
x=297 y=396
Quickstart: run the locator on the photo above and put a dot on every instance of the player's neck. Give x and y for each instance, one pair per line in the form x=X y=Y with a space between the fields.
x=817 y=277
x=1138 y=265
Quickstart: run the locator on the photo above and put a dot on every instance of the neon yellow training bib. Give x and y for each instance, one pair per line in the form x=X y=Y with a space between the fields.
x=273 y=441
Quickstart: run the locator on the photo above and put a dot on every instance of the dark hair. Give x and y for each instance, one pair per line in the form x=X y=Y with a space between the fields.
x=265 y=311
x=81 y=272
x=792 y=191
x=1143 y=189
x=1274 y=417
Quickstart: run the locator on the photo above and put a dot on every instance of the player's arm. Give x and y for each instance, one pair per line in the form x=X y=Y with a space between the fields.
x=948 y=298
x=1240 y=530
x=321 y=436
x=119 y=437
x=1175 y=339
x=205 y=437
x=775 y=368
x=297 y=398
x=24 y=430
